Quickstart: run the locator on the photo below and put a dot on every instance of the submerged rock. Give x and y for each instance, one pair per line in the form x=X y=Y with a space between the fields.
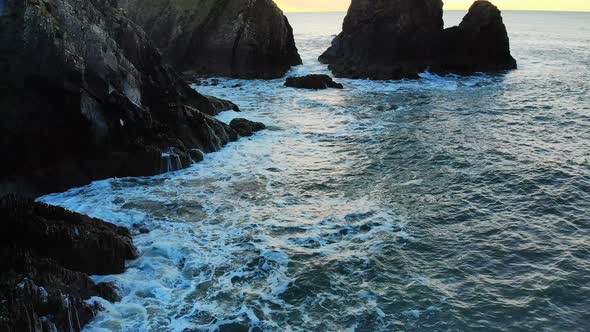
x=46 y=254
x=395 y=39
x=245 y=127
x=315 y=82
x=85 y=95
x=237 y=38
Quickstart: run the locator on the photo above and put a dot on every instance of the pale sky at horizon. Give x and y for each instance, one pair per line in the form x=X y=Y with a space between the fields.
x=342 y=5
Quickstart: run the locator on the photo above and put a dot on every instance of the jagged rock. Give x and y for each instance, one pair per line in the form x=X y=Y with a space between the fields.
x=235 y=38
x=75 y=241
x=315 y=82
x=246 y=128
x=395 y=39
x=28 y=307
x=45 y=253
x=85 y=95
x=479 y=44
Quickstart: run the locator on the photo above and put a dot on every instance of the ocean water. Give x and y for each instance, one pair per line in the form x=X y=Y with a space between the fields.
x=441 y=204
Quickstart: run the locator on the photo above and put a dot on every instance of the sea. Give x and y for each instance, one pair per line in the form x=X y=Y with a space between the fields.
x=441 y=204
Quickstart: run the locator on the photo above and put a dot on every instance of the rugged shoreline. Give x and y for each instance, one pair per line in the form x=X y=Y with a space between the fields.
x=87 y=96
x=47 y=254
x=84 y=96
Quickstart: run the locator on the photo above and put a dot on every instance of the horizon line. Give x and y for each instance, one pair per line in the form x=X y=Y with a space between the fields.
x=466 y=9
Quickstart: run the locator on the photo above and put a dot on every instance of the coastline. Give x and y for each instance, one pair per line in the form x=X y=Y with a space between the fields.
x=375 y=205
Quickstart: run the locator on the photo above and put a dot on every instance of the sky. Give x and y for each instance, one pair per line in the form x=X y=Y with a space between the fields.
x=342 y=5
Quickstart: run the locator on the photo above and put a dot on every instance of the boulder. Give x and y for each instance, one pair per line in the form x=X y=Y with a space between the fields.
x=396 y=39
x=315 y=82
x=196 y=155
x=47 y=254
x=246 y=128
x=85 y=95
x=233 y=38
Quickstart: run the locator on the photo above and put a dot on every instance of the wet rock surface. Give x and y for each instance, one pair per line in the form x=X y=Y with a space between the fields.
x=46 y=254
x=234 y=38
x=314 y=82
x=383 y=39
x=85 y=95
x=246 y=128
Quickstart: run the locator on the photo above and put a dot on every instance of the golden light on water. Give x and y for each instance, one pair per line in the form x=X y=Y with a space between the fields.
x=342 y=5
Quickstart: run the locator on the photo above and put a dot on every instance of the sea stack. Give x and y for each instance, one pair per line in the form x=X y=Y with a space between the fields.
x=85 y=95
x=396 y=39
x=231 y=38
x=479 y=44
x=386 y=39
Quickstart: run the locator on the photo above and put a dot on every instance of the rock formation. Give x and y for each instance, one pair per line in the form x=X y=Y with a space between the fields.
x=395 y=39
x=479 y=44
x=246 y=128
x=46 y=253
x=314 y=82
x=383 y=39
x=84 y=95
x=235 y=38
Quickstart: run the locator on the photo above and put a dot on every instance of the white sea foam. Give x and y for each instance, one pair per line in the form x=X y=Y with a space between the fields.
x=229 y=265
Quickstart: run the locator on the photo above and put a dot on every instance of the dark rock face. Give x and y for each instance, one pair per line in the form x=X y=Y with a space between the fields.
x=383 y=39
x=45 y=253
x=235 y=38
x=479 y=44
x=315 y=82
x=75 y=241
x=246 y=128
x=84 y=95
x=395 y=39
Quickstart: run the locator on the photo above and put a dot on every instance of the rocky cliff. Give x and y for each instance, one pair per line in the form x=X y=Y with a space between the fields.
x=236 y=38
x=84 y=95
x=395 y=39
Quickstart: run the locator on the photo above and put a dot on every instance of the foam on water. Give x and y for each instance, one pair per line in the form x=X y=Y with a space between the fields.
x=222 y=236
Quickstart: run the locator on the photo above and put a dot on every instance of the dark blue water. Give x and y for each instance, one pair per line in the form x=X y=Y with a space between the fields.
x=441 y=204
